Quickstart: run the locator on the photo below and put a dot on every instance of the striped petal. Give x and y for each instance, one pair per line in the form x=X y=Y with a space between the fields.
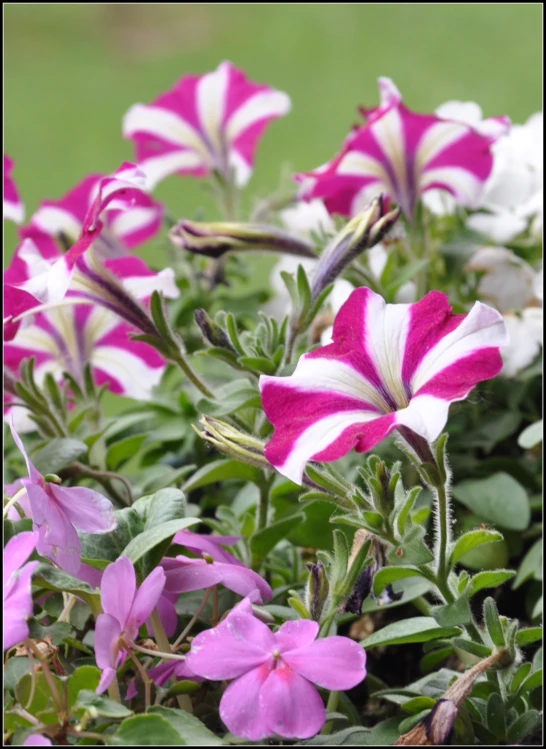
x=403 y=154
x=389 y=365
x=13 y=208
x=204 y=123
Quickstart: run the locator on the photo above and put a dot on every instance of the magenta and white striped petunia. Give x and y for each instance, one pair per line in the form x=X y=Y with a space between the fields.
x=67 y=337
x=403 y=154
x=204 y=123
x=389 y=366
x=117 y=192
x=123 y=229
x=13 y=207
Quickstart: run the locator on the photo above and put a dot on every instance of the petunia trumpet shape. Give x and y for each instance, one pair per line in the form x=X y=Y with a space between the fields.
x=122 y=229
x=118 y=192
x=203 y=124
x=13 y=208
x=389 y=366
x=272 y=692
x=403 y=154
x=17 y=595
x=57 y=511
x=184 y=574
x=125 y=610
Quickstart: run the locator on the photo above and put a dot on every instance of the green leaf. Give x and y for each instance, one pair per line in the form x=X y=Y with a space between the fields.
x=193 y=732
x=149 y=539
x=429 y=661
x=498 y=499
x=57 y=631
x=452 y=614
x=519 y=677
x=165 y=505
x=414 y=549
x=411 y=588
x=36 y=696
x=469 y=646
x=531 y=565
x=418 y=629
x=532 y=682
x=264 y=540
x=122 y=451
x=258 y=364
x=490 y=579
x=531 y=436
x=222 y=470
x=145 y=730
x=388 y=575
x=492 y=622
x=416 y=704
x=84 y=677
x=98 y=704
x=471 y=540
x=14 y=669
x=232 y=397
x=402 y=520
x=523 y=726
x=52 y=578
x=528 y=636
x=495 y=713
x=57 y=454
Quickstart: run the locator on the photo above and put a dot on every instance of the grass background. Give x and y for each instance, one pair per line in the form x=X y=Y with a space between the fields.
x=72 y=71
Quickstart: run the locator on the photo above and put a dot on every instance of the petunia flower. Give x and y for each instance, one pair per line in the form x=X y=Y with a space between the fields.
x=122 y=229
x=68 y=337
x=390 y=366
x=211 y=545
x=119 y=192
x=203 y=124
x=57 y=511
x=272 y=692
x=17 y=594
x=403 y=154
x=125 y=608
x=184 y=575
x=13 y=208
x=515 y=289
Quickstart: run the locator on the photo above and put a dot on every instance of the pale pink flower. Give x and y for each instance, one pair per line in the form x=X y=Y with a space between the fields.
x=17 y=593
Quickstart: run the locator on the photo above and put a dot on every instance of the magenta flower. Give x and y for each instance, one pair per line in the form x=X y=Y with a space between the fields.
x=389 y=366
x=203 y=124
x=57 y=511
x=120 y=192
x=122 y=229
x=211 y=545
x=17 y=594
x=272 y=692
x=13 y=208
x=184 y=574
x=36 y=739
x=125 y=610
x=403 y=154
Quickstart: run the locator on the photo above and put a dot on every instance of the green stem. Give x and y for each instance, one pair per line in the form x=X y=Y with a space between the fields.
x=184 y=702
x=443 y=532
x=331 y=706
x=263 y=505
x=192 y=376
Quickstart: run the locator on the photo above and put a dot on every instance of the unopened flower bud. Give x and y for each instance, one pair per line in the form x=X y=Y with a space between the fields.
x=361 y=233
x=233 y=442
x=211 y=331
x=363 y=586
x=215 y=239
x=317 y=590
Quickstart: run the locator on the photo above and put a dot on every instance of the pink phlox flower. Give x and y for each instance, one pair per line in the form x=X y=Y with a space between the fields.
x=273 y=673
x=125 y=608
x=13 y=207
x=57 y=511
x=184 y=575
x=123 y=228
x=389 y=366
x=173 y=669
x=119 y=192
x=211 y=545
x=403 y=154
x=17 y=582
x=203 y=124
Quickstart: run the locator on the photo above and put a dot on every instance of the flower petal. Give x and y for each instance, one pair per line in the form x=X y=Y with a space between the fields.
x=147 y=597
x=118 y=588
x=291 y=705
x=242 y=708
x=88 y=510
x=336 y=663
x=296 y=634
x=107 y=633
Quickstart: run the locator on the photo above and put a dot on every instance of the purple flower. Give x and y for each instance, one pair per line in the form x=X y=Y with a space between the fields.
x=389 y=366
x=125 y=610
x=184 y=574
x=403 y=154
x=36 y=739
x=17 y=595
x=272 y=692
x=179 y=669
x=122 y=229
x=203 y=124
x=57 y=511
x=13 y=208
x=211 y=545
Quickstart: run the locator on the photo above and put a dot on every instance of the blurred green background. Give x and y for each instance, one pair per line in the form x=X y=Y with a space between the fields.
x=72 y=71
